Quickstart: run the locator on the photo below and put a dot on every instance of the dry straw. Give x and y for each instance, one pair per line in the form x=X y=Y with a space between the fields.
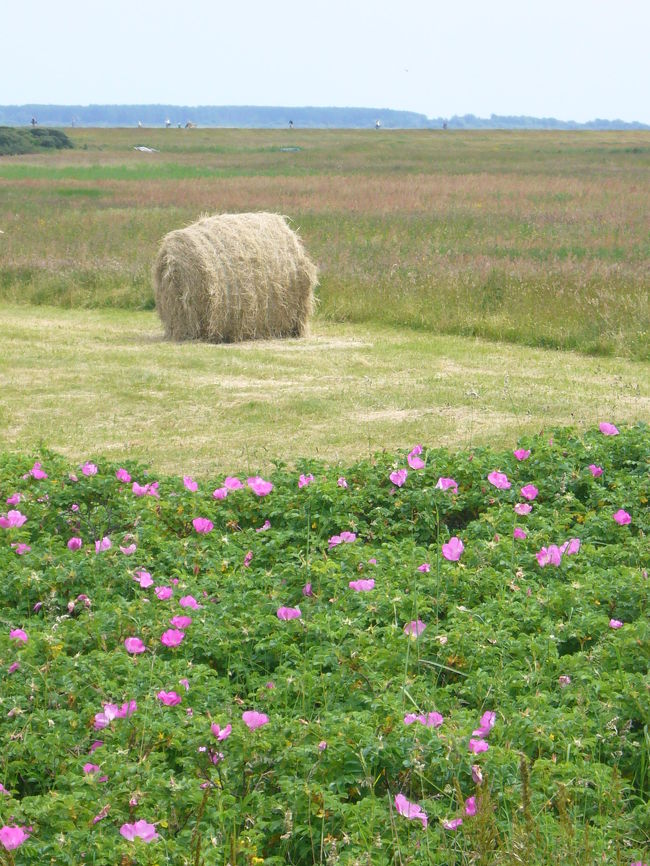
x=234 y=277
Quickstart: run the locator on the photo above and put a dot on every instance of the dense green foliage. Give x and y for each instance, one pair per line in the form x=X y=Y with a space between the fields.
x=558 y=652
x=31 y=140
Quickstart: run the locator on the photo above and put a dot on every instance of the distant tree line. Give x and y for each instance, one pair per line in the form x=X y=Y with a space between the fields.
x=277 y=117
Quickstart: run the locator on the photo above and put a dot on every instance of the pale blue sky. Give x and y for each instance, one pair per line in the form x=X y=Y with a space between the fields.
x=571 y=59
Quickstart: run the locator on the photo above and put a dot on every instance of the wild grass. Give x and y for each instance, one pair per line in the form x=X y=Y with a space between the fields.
x=535 y=238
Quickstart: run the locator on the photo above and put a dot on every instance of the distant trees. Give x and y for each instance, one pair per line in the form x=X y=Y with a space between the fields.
x=275 y=117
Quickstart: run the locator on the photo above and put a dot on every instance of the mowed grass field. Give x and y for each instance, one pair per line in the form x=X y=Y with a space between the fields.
x=530 y=237
x=105 y=383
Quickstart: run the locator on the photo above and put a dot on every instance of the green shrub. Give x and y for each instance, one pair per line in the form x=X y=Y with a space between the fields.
x=565 y=778
x=16 y=140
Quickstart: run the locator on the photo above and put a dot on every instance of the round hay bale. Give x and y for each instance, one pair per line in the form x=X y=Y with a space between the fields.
x=234 y=277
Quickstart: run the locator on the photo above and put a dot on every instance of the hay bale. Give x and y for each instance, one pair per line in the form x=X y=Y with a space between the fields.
x=234 y=277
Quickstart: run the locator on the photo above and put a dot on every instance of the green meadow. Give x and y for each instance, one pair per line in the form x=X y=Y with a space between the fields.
x=532 y=238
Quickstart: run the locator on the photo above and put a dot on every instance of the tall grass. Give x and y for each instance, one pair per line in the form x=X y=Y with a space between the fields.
x=535 y=238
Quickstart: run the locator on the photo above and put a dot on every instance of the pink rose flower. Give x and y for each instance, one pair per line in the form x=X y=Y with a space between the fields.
x=12 y=520
x=414 y=628
x=143 y=578
x=570 y=547
x=219 y=733
x=259 y=486
x=453 y=549
x=430 y=720
x=486 y=724
x=12 y=836
x=362 y=585
x=37 y=472
x=549 y=556
x=172 y=637
x=169 y=699
x=410 y=810
x=452 y=824
x=287 y=613
x=499 y=480
x=252 y=719
x=141 y=829
x=189 y=601
x=414 y=460
x=447 y=484
x=134 y=645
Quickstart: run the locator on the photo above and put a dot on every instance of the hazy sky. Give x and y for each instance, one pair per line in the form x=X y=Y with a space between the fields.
x=571 y=59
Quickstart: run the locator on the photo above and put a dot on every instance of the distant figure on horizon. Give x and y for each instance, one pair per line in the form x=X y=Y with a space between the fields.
x=291 y=124
x=168 y=123
x=139 y=124
x=34 y=121
x=444 y=125
x=377 y=124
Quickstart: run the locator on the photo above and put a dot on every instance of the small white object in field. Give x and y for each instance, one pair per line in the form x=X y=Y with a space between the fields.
x=144 y=149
